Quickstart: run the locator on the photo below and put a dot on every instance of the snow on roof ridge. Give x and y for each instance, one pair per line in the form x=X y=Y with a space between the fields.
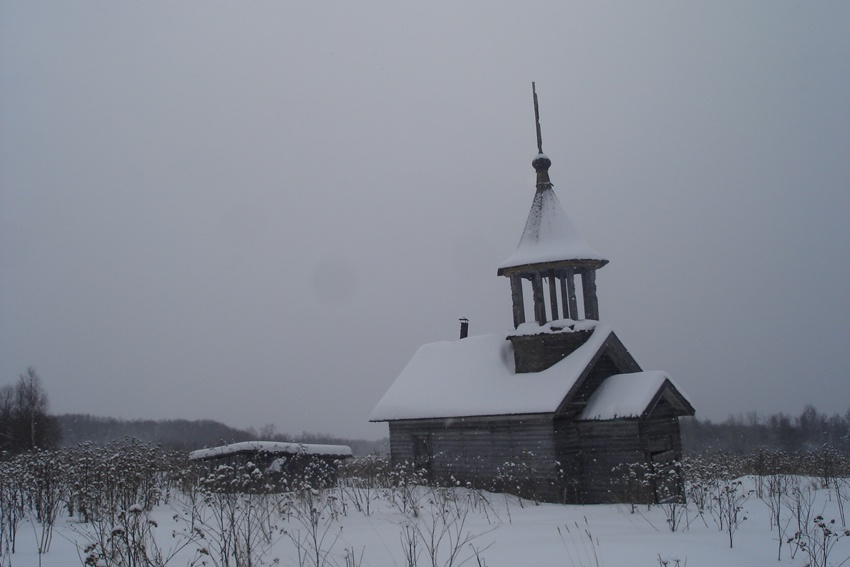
x=552 y=327
x=475 y=376
x=271 y=447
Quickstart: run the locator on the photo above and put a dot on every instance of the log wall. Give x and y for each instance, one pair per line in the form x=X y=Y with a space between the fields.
x=533 y=353
x=513 y=454
x=605 y=446
x=553 y=460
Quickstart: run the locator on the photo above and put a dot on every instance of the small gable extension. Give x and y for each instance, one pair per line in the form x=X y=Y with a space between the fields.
x=635 y=396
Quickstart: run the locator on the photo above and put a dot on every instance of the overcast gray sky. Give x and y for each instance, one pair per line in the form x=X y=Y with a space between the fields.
x=256 y=212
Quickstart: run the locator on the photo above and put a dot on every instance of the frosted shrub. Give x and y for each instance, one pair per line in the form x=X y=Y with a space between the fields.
x=235 y=514
x=661 y=484
x=405 y=491
x=580 y=545
x=827 y=465
x=117 y=475
x=568 y=485
x=360 y=479
x=441 y=529
x=730 y=501
x=409 y=538
x=312 y=514
x=44 y=475
x=631 y=483
x=518 y=476
x=12 y=504
x=668 y=483
x=128 y=540
x=701 y=482
x=841 y=487
x=819 y=539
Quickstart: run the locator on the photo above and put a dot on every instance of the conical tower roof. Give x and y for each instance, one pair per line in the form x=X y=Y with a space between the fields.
x=550 y=235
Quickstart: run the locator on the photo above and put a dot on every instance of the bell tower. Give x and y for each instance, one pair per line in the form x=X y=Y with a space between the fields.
x=551 y=256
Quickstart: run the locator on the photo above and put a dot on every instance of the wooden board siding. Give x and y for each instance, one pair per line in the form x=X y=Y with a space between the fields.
x=612 y=358
x=554 y=461
x=605 y=446
x=533 y=353
x=663 y=446
x=604 y=368
x=569 y=461
x=660 y=433
x=511 y=454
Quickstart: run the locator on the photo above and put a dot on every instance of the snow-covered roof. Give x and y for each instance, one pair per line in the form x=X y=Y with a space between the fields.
x=551 y=327
x=475 y=377
x=549 y=235
x=271 y=447
x=624 y=396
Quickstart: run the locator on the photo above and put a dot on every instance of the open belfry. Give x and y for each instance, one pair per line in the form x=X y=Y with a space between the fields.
x=551 y=408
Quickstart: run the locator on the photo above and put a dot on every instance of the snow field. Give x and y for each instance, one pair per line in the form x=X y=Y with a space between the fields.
x=460 y=526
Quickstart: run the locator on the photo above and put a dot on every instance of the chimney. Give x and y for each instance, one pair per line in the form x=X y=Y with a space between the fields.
x=464 y=327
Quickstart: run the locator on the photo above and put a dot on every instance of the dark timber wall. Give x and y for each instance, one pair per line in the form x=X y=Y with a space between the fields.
x=605 y=367
x=533 y=353
x=511 y=454
x=605 y=445
x=555 y=461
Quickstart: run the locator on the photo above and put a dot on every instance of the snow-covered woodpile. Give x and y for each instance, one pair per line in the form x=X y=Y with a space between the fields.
x=275 y=463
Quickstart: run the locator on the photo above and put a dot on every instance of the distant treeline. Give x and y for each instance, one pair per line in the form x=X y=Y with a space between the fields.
x=188 y=435
x=745 y=434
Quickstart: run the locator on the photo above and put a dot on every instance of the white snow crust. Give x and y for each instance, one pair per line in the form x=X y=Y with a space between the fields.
x=624 y=395
x=271 y=447
x=475 y=376
x=549 y=235
x=508 y=532
x=556 y=326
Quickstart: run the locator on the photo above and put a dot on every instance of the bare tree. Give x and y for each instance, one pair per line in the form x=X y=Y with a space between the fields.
x=24 y=420
x=7 y=413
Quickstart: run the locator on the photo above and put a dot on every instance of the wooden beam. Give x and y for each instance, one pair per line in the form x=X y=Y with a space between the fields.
x=553 y=296
x=564 y=302
x=537 y=294
x=571 y=293
x=518 y=301
x=588 y=286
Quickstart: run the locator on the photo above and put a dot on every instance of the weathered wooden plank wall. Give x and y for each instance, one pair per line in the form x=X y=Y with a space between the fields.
x=605 y=446
x=558 y=461
x=533 y=353
x=517 y=455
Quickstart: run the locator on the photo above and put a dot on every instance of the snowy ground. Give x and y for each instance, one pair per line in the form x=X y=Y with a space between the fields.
x=505 y=531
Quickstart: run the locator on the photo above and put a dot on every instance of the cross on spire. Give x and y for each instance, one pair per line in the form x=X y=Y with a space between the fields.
x=540 y=163
x=537 y=119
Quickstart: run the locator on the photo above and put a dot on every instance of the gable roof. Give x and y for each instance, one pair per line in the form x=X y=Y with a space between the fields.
x=475 y=377
x=633 y=396
x=549 y=236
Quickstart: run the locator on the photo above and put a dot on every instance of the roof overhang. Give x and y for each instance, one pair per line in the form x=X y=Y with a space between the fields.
x=559 y=267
